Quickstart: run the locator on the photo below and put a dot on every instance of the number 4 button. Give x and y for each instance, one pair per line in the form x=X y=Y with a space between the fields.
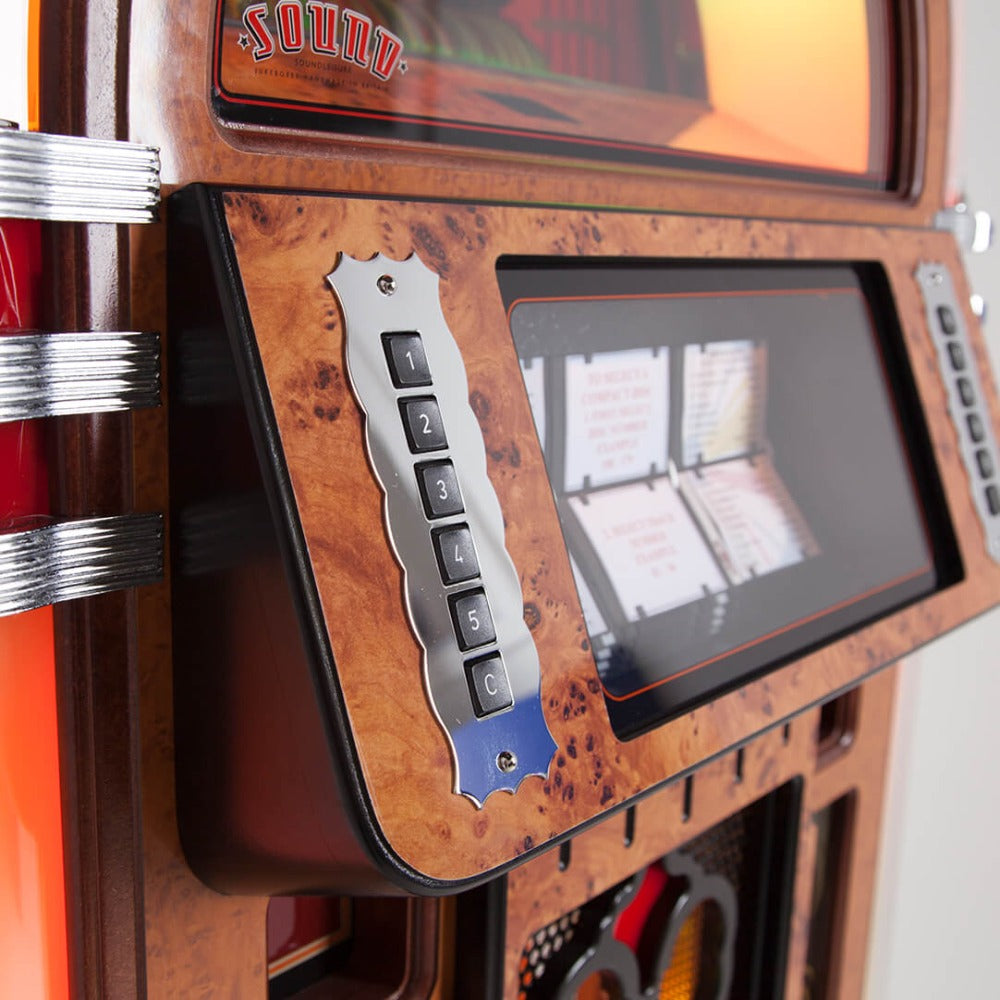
x=456 y=554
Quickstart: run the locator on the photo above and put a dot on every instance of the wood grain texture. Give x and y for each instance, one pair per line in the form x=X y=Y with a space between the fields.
x=83 y=52
x=540 y=891
x=170 y=82
x=285 y=246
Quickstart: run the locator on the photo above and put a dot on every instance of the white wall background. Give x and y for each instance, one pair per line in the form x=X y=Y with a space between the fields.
x=936 y=930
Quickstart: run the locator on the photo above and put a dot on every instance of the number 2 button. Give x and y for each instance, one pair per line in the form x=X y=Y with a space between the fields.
x=439 y=490
x=423 y=425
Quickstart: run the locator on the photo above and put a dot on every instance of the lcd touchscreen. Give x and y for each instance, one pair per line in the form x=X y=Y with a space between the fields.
x=728 y=464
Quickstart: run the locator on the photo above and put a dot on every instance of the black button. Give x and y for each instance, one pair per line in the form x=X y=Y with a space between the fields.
x=985 y=462
x=993 y=499
x=976 y=429
x=965 y=391
x=470 y=613
x=946 y=320
x=423 y=424
x=957 y=356
x=407 y=361
x=456 y=555
x=439 y=489
x=488 y=685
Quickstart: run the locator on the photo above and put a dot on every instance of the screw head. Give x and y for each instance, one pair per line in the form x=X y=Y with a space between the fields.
x=386 y=284
x=507 y=761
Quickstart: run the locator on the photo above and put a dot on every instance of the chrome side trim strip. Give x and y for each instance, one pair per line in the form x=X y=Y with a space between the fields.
x=80 y=558
x=74 y=179
x=55 y=374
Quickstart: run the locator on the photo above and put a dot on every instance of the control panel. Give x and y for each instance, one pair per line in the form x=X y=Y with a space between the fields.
x=966 y=401
x=463 y=594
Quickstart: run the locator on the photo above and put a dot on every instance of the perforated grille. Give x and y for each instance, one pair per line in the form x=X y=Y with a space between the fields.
x=543 y=946
x=720 y=851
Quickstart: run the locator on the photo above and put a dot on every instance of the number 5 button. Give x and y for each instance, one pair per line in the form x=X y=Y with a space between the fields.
x=439 y=491
x=473 y=623
x=456 y=555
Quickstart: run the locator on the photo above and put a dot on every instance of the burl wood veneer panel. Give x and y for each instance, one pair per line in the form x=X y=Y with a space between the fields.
x=285 y=245
x=542 y=890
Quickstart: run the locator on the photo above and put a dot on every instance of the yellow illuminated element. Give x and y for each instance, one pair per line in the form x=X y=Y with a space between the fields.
x=787 y=82
x=680 y=981
x=34 y=28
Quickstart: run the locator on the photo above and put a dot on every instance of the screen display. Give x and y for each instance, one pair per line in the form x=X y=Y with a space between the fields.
x=728 y=466
x=807 y=90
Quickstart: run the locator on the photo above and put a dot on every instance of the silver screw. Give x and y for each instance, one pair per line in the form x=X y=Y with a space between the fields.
x=386 y=284
x=506 y=761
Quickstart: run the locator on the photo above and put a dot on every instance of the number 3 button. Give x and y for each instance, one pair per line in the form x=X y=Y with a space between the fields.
x=439 y=491
x=473 y=623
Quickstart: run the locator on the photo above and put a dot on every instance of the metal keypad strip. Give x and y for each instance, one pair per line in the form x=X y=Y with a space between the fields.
x=966 y=402
x=496 y=744
x=56 y=374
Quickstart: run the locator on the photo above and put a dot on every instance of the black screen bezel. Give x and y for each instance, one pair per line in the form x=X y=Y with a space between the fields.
x=523 y=278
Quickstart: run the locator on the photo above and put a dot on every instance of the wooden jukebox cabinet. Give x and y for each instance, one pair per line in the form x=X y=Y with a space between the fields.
x=568 y=413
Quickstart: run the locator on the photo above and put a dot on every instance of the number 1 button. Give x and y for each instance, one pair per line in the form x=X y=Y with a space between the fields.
x=456 y=555
x=439 y=491
x=407 y=362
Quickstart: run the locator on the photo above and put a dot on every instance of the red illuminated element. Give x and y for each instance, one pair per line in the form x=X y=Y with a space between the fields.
x=33 y=946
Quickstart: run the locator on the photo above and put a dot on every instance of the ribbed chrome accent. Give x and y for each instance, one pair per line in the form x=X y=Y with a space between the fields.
x=74 y=179
x=54 y=374
x=69 y=559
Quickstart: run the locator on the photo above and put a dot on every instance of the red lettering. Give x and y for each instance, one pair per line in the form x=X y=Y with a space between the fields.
x=253 y=21
x=388 y=50
x=291 y=34
x=322 y=27
x=357 y=34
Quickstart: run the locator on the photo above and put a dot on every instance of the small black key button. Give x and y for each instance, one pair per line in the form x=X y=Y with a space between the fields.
x=407 y=362
x=966 y=392
x=946 y=320
x=473 y=622
x=985 y=462
x=423 y=424
x=993 y=499
x=956 y=356
x=439 y=490
x=488 y=685
x=456 y=555
x=976 y=429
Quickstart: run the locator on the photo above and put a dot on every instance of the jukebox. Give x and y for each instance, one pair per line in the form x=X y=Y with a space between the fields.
x=478 y=570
